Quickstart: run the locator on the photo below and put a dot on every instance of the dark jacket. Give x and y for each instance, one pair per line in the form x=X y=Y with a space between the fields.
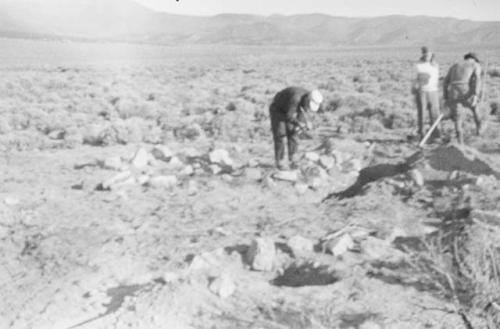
x=289 y=105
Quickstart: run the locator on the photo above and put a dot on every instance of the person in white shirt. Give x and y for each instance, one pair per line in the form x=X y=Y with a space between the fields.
x=426 y=91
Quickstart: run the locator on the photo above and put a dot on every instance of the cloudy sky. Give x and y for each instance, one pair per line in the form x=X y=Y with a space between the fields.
x=468 y=9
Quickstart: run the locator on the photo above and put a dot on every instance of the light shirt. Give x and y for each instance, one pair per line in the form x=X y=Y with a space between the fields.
x=427 y=76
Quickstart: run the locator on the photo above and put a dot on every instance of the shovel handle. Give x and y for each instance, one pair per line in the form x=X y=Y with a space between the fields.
x=434 y=125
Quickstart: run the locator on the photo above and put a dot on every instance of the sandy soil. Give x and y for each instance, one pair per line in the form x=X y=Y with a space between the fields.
x=154 y=255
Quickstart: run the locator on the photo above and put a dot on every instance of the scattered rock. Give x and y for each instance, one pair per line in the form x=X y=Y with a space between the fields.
x=163 y=181
x=301 y=188
x=207 y=260
x=187 y=171
x=162 y=153
x=112 y=163
x=253 y=174
x=191 y=152
x=269 y=182
x=370 y=325
x=11 y=201
x=338 y=156
x=397 y=232
x=312 y=156
x=141 y=158
x=341 y=245
x=223 y=286
x=191 y=132
x=416 y=177
x=485 y=216
x=352 y=165
x=220 y=156
x=175 y=163
x=119 y=180
x=57 y=134
x=170 y=277
x=192 y=187
x=261 y=254
x=327 y=162
x=486 y=182
x=300 y=245
x=227 y=178
x=215 y=169
x=143 y=179
x=252 y=163
x=381 y=250
x=287 y=175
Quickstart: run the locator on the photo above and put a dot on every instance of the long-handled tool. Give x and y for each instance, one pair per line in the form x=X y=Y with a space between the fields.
x=431 y=130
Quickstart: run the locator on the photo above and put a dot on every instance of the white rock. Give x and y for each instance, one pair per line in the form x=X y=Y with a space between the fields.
x=227 y=178
x=261 y=254
x=370 y=325
x=163 y=181
x=143 y=179
x=253 y=174
x=113 y=163
x=339 y=157
x=253 y=163
x=377 y=249
x=162 y=152
x=287 y=175
x=175 y=163
x=207 y=260
x=220 y=156
x=215 y=169
x=312 y=156
x=57 y=134
x=341 y=246
x=223 y=286
x=416 y=177
x=269 y=182
x=187 y=171
x=119 y=179
x=327 y=162
x=353 y=165
x=170 y=277
x=11 y=201
x=141 y=158
x=301 y=188
x=300 y=245
x=191 y=152
x=192 y=187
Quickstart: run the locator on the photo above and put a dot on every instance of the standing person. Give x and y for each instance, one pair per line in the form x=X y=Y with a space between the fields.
x=461 y=88
x=289 y=115
x=425 y=89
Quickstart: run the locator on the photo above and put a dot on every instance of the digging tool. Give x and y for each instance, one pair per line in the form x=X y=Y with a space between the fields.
x=429 y=133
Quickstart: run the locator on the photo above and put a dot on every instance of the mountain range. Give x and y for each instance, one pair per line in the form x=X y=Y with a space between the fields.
x=125 y=20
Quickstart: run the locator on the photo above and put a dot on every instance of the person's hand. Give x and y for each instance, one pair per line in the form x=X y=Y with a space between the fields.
x=474 y=100
x=309 y=125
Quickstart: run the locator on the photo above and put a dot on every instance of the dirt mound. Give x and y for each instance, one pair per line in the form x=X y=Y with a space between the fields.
x=462 y=158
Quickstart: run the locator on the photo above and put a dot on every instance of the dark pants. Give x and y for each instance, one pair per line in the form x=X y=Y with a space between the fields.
x=283 y=132
x=427 y=100
x=459 y=97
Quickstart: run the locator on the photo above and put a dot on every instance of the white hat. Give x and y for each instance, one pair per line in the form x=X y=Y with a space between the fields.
x=315 y=100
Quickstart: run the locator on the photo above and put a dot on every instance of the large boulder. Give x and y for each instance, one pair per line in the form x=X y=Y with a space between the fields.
x=261 y=254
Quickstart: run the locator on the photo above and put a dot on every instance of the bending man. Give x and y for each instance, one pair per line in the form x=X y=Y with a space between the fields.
x=461 y=88
x=289 y=115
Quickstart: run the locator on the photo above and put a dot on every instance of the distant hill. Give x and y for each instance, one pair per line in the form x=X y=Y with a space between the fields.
x=125 y=20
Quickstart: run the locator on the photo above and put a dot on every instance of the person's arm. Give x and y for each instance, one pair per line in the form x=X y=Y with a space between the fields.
x=476 y=84
x=446 y=83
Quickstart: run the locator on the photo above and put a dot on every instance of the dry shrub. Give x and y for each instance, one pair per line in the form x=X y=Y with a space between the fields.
x=466 y=270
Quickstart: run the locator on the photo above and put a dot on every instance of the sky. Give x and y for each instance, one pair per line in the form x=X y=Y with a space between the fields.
x=481 y=10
